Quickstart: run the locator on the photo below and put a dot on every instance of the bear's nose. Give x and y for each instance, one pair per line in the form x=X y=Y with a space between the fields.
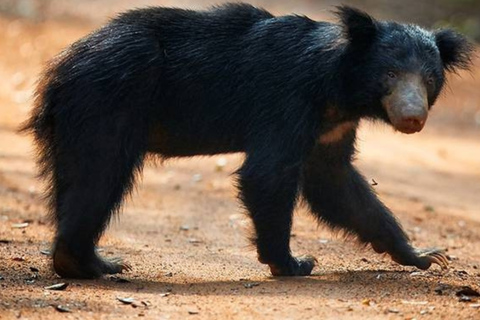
x=413 y=123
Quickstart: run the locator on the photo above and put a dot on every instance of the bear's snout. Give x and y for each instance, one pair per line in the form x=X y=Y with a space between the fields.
x=407 y=104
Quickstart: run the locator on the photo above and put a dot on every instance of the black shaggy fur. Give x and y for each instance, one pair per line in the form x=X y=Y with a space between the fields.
x=234 y=78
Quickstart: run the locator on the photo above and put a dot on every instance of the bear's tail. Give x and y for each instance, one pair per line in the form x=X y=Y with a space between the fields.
x=41 y=124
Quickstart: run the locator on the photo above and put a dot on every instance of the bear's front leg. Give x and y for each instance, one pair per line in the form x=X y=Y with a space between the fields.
x=268 y=186
x=340 y=196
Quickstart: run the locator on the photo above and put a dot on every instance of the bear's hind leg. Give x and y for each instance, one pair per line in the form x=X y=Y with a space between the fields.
x=92 y=171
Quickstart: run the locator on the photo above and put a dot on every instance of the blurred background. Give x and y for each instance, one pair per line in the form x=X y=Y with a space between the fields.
x=463 y=14
x=431 y=180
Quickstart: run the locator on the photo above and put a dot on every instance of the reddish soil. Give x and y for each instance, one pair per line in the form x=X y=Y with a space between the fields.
x=185 y=234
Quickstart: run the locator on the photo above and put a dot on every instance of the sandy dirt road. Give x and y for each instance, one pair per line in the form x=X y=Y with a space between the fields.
x=185 y=235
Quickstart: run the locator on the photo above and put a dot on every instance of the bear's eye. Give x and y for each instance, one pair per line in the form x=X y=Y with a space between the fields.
x=391 y=74
x=430 y=80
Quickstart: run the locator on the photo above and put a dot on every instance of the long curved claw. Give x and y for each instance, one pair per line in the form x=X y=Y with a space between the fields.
x=117 y=265
x=434 y=255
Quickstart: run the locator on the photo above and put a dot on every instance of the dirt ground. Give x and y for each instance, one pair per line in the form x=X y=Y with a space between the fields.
x=185 y=235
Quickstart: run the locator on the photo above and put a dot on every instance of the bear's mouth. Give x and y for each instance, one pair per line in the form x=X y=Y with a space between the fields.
x=408 y=129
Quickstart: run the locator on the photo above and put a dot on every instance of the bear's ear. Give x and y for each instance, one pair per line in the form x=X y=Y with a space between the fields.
x=360 y=28
x=455 y=50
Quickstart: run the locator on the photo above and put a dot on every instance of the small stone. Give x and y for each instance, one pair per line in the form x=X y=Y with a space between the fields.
x=20 y=225
x=193 y=311
x=368 y=302
x=464 y=299
x=441 y=288
x=250 y=285
x=467 y=291
x=61 y=308
x=19 y=259
x=128 y=300
x=57 y=287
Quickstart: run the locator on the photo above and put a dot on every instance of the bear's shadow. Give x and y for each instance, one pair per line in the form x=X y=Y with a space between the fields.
x=338 y=285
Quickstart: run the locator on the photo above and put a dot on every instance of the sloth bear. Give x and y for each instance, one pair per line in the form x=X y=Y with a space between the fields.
x=287 y=91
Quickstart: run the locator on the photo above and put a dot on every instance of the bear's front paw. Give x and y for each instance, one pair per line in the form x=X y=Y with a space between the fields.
x=424 y=258
x=427 y=257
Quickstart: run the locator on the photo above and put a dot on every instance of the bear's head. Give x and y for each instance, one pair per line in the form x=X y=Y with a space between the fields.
x=395 y=72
